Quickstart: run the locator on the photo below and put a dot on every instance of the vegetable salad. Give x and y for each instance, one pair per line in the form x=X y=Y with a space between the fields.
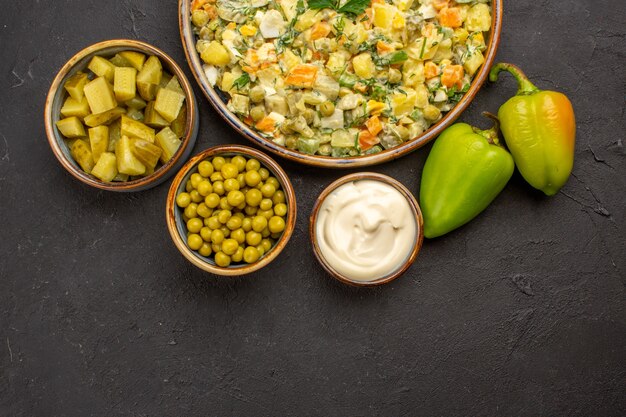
x=341 y=77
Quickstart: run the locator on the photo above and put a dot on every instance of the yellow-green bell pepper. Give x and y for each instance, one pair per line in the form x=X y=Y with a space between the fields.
x=465 y=170
x=539 y=128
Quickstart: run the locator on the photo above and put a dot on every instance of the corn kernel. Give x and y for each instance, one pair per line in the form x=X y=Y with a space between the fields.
x=248 y=30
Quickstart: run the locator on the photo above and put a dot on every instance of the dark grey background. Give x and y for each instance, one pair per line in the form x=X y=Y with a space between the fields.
x=521 y=312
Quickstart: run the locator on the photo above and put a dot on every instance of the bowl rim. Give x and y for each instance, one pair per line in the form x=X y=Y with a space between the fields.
x=268 y=163
x=415 y=208
x=54 y=138
x=193 y=58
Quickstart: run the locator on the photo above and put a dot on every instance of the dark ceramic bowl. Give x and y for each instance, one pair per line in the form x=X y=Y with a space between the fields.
x=217 y=99
x=177 y=227
x=57 y=94
x=415 y=208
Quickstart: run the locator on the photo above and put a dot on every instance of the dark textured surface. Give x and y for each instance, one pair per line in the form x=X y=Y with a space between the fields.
x=522 y=312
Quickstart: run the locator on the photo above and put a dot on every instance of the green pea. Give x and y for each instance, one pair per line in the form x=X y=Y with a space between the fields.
x=205 y=250
x=266 y=204
x=224 y=216
x=261 y=250
x=251 y=255
x=259 y=223
x=183 y=200
x=205 y=233
x=195 y=179
x=267 y=245
x=229 y=246
x=273 y=181
x=257 y=113
x=257 y=94
x=240 y=162
x=188 y=186
x=205 y=168
x=214 y=223
x=327 y=108
x=221 y=259
x=268 y=190
x=224 y=204
x=218 y=188
x=194 y=241
x=280 y=209
x=253 y=238
x=254 y=197
x=276 y=224
x=250 y=211
x=205 y=188
x=279 y=197
x=218 y=162
x=235 y=198
x=195 y=196
x=253 y=165
x=229 y=171
x=203 y=211
x=191 y=211
x=239 y=235
x=217 y=236
x=238 y=255
x=212 y=200
x=241 y=179
x=194 y=225
x=231 y=184
x=253 y=178
x=265 y=174
x=246 y=224
x=234 y=223
x=216 y=176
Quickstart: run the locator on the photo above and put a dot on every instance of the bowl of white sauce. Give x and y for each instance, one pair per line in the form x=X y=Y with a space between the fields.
x=366 y=229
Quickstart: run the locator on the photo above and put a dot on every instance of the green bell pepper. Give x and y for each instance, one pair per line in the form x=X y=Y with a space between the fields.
x=464 y=172
x=539 y=128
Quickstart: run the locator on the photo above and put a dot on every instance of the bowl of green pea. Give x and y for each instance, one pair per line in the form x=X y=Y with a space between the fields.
x=231 y=210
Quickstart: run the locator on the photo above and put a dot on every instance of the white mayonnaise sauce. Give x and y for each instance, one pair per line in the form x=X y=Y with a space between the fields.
x=366 y=229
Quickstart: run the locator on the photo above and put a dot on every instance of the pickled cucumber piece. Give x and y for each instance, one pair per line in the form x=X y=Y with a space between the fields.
x=104 y=118
x=136 y=103
x=106 y=167
x=178 y=125
x=76 y=84
x=165 y=79
x=99 y=141
x=125 y=84
x=153 y=118
x=168 y=142
x=102 y=68
x=71 y=127
x=135 y=59
x=147 y=91
x=82 y=155
x=127 y=163
x=77 y=108
x=118 y=61
x=100 y=95
x=147 y=153
x=151 y=72
x=135 y=114
x=174 y=85
x=168 y=104
x=135 y=129
x=114 y=134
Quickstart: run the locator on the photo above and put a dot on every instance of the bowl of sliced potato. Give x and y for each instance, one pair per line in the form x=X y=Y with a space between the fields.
x=121 y=116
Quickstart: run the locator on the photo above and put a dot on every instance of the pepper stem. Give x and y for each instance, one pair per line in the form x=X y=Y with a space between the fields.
x=525 y=87
x=492 y=135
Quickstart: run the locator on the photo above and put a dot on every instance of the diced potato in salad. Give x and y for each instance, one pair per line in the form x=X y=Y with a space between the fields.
x=341 y=77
